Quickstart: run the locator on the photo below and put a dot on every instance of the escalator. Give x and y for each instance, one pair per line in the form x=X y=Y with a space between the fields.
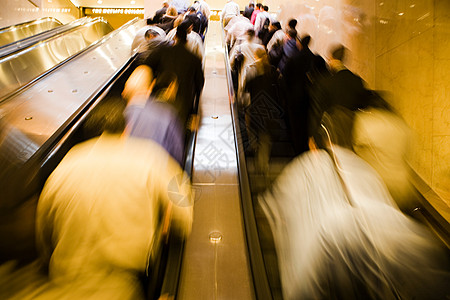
x=41 y=123
x=253 y=182
x=21 y=31
x=26 y=66
x=24 y=41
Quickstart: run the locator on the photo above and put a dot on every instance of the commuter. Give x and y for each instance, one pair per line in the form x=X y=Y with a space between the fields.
x=383 y=139
x=263 y=108
x=186 y=66
x=99 y=211
x=161 y=12
x=151 y=42
x=342 y=88
x=339 y=235
x=255 y=13
x=230 y=10
x=262 y=22
x=278 y=38
x=274 y=27
x=298 y=102
x=141 y=39
x=246 y=53
x=236 y=30
x=171 y=34
x=199 y=20
x=248 y=11
x=180 y=5
x=291 y=48
x=195 y=20
x=194 y=41
x=203 y=7
x=150 y=113
x=168 y=19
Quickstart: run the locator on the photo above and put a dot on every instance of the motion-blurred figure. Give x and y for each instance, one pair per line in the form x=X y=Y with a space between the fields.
x=194 y=42
x=274 y=27
x=150 y=113
x=242 y=56
x=99 y=211
x=167 y=20
x=339 y=235
x=297 y=82
x=141 y=39
x=256 y=12
x=186 y=66
x=383 y=139
x=236 y=30
x=230 y=10
x=342 y=88
x=161 y=12
x=248 y=10
x=263 y=109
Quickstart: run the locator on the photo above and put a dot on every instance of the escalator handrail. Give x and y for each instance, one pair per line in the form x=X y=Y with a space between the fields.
x=259 y=275
x=82 y=52
x=19 y=45
x=73 y=123
x=8 y=28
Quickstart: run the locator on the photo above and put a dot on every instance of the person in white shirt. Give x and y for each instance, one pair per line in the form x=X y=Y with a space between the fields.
x=236 y=30
x=248 y=50
x=203 y=7
x=139 y=38
x=99 y=213
x=261 y=18
x=230 y=10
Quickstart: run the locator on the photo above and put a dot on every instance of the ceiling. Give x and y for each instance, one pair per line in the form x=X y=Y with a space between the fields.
x=109 y=3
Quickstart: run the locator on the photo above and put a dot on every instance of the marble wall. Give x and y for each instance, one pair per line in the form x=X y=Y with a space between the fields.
x=401 y=47
x=412 y=48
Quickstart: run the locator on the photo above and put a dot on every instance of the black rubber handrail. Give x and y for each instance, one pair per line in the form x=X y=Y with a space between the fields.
x=259 y=275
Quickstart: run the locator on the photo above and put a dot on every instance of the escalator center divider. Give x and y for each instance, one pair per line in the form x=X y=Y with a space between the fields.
x=259 y=274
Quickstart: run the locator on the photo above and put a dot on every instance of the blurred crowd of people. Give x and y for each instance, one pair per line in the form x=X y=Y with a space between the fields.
x=337 y=210
x=114 y=198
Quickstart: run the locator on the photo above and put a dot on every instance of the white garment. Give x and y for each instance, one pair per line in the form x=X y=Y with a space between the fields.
x=248 y=49
x=230 y=10
x=139 y=38
x=238 y=30
x=194 y=42
x=326 y=237
x=203 y=7
x=383 y=140
x=98 y=212
x=277 y=40
x=259 y=21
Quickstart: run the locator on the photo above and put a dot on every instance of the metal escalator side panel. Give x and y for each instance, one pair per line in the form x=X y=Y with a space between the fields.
x=33 y=120
x=20 y=31
x=33 y=61
x=25 y=42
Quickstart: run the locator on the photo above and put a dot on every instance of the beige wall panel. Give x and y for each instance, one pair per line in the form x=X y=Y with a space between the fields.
x=441 y=167
x=405 y=72
x=401 y=20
